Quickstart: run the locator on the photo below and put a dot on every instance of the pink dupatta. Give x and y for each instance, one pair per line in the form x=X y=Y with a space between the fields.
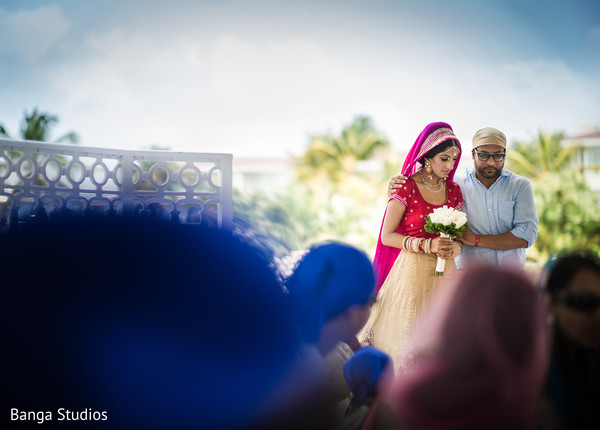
x=433 y=135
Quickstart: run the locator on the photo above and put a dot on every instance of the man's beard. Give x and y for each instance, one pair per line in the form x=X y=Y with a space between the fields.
x=493 y=175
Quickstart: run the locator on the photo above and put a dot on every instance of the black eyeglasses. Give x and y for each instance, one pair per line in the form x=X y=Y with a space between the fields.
x=485 y=156
x=583 y=302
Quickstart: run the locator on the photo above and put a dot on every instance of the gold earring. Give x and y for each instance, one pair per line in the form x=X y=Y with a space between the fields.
x=428 y=169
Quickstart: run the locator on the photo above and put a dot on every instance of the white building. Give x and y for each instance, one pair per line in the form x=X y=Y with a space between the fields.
x=589 y=156
x=262 y=174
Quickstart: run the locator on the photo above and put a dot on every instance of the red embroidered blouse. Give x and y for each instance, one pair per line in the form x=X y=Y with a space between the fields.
x=413 y=221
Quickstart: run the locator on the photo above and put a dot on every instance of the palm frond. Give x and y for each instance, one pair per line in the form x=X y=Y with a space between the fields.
x=70 y=137
x=523 y=162
x=4 y=132
x=564 y=156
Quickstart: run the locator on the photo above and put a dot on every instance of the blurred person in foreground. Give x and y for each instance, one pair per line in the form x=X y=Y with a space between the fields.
x=571 y=283
x=366 y=373
x=122 y=324
x=480 y=359
x=499 y=204
x=331 y=290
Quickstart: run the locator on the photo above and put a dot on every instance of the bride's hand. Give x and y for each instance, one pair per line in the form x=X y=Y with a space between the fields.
x=442 y=246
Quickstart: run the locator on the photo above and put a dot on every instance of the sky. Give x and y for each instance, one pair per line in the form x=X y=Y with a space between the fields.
x=260 y=77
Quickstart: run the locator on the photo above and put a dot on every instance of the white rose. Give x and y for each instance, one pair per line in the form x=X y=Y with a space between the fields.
x=448 y=216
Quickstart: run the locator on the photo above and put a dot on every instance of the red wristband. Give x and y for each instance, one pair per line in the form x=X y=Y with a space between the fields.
x=476 y=240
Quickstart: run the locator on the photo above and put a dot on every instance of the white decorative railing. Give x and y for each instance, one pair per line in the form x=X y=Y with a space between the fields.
x=39 y=179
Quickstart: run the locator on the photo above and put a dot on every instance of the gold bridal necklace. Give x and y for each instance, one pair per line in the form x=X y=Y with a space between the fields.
x=430 y=187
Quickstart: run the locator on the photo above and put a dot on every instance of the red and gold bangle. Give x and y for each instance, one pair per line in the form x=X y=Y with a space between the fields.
x=420 y=245
x=476 y=240
x=413 y=244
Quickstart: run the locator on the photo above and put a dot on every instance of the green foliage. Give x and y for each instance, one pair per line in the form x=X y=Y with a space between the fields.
x=37 y=125
x=540 y=157
x=334 y=198
x=334 y=158
x=568 y=210
x=280 y=223
x=296 y=220
x=438 y=227
x=569 y=214
x=4 y=132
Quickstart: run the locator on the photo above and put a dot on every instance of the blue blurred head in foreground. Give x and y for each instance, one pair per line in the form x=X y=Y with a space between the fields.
x=363 y=372
x=330 y=280
x=159 y=325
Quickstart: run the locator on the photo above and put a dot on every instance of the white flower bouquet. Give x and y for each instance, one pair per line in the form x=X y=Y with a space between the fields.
x=448 y=222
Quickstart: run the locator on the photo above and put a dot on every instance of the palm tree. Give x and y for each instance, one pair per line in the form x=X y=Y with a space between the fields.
x=569 y=214
x=541 y=157
x=335 y=158
x=36 y=126
x=567 y=208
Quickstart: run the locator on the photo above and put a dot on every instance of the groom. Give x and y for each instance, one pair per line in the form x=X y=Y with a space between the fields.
x=499 y=205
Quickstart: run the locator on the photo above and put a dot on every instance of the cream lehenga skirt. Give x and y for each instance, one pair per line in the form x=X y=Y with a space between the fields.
x=407 y=289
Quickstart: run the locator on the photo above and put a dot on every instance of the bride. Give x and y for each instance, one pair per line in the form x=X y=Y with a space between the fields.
x=406 y=254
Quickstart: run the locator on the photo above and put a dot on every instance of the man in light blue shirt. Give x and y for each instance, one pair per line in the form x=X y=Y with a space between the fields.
x=499 y=204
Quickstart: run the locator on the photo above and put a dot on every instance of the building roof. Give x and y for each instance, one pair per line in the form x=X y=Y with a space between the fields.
x=591 y=135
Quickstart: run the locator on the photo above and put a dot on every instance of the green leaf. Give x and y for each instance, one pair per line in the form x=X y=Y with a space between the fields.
x=451 y=230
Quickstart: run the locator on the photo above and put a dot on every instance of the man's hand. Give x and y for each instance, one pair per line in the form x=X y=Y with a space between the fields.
x=395 y=183
x=467 y=238
x=502 y=242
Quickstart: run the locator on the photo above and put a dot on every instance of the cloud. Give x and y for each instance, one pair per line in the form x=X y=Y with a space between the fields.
x=517 y=97
x=227 y=93
x=218 y=93
x=526 y=96
x=31 y=33
x=277 y=71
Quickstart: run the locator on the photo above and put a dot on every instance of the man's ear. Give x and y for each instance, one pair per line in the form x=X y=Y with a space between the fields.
x=473 y=154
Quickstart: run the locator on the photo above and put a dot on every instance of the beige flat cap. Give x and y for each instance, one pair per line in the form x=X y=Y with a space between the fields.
x=489 y=136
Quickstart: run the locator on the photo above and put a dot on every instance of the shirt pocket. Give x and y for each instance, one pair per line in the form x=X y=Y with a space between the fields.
x=506 y=215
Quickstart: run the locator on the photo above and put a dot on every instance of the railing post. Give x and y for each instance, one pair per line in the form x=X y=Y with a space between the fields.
x=227 y=191
x=127 y=184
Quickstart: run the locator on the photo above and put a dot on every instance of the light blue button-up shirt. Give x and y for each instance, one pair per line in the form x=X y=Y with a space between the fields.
x=508 y=205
